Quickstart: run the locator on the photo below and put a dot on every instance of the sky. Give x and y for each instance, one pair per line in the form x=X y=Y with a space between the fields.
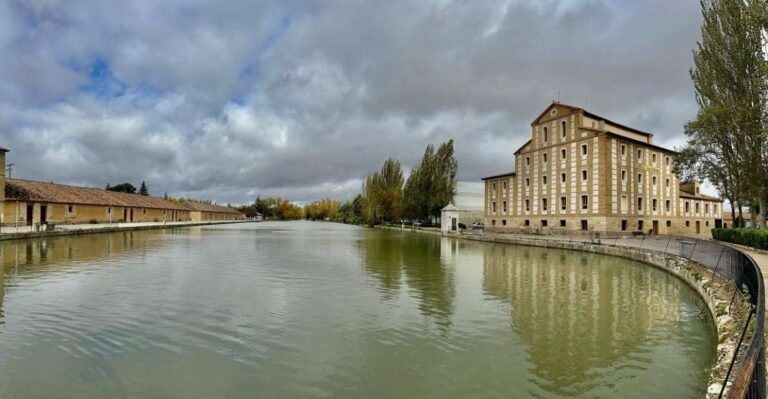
x=227 y=100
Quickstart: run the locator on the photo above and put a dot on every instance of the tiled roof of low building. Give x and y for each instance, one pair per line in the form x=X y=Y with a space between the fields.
x=29 y=190
x=684 y=194
x=203 y=207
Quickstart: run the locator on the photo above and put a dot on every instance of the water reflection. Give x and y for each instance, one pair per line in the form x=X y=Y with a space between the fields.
x=29 y=258
x=417 y=260
x=582 y=315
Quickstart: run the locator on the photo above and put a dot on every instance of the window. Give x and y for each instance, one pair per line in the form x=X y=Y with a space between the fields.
x=544 y=157
x=545 y=133
x=526 y=222
x=562 y=177
x=527 y=182
x=493 y=222
x=527 y=161
x=706 y=208
x=544 y=223
x=584 y=174
x=564 y=129
x=544 y=180
x=562 y=223
x=640 y=225
x=639 y=203
x=563 y=203
x=494 y=186
x=666 y=160
x=623 y=150
x=667 y=205
x=653 y=181
x=543 y=204
x=493 y=206
x=687 y=206
x=715 y=208
x=504 y=206
x=696 y=206
x=583 y=149
x=504 y=185
x=109 y=210
x=653 y=204
x=584 y=202
x=623 y=175
x=584 y=225
x=527 y=205
x=666 y=182
x=623 y=225
x=70 y=208
x=669 y=223
x=706 y=223
x=687 y=223
x=639 y=178
x=653 y=157
x=504 y=222
x=639 y=155
x=563 y=154
x=144 y=211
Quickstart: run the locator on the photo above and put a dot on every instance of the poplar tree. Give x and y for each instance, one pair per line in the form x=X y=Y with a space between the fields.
x=728 y=141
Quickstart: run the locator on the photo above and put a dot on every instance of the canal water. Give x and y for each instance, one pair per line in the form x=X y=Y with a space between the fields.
x=321 y=310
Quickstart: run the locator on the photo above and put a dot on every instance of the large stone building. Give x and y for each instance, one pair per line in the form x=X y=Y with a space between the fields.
x=582 y=172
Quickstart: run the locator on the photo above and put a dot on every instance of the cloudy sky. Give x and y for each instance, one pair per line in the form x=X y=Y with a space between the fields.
x=229 y=99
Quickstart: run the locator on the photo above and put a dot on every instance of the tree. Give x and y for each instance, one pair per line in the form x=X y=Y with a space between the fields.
x=123 y=188
x=728 y=140
x=382 y=193
x=143 y=189
x=432 y=183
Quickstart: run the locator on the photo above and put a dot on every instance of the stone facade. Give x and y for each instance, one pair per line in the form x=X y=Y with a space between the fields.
x=582 y=172
x=2 y=184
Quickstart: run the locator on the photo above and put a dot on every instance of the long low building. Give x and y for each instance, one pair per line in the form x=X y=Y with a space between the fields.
x=28 y=203
x=203 y=212
x=582 y=172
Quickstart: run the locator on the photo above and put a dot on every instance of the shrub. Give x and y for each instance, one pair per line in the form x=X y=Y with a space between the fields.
x=755 y=238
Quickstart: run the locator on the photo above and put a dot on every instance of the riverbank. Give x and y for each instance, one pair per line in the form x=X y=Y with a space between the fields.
x=729 y=311
x=25 y=232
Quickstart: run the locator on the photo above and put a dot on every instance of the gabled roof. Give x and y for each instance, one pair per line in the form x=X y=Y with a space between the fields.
x=508 y=174
x=704 y=197
x=35 y=191
x=450 y=207
x=523 y=146
x=203 y=207
x=589 y=114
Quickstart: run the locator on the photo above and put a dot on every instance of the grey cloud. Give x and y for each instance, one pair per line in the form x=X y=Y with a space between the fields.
x=228 y=100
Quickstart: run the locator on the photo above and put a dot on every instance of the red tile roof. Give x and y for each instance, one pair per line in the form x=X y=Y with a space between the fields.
x=35 y=191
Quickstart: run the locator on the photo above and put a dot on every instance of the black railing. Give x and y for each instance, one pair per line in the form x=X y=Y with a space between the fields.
x=746 y=371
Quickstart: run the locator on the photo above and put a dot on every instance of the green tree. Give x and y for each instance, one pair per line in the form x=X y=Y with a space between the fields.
x=143 y=189
x=123 y=188
x=432 y=183
x=382 y=192
x=728 y=141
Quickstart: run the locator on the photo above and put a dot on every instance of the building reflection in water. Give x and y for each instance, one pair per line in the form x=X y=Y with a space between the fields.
x=412 y=262
x=579 y=313
x=32 y=258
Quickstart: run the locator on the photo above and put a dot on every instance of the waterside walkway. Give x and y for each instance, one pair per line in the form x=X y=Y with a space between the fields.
x=24 y=232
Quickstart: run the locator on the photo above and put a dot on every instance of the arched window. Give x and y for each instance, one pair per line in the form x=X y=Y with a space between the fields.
x=564 y=127
x=545 y=133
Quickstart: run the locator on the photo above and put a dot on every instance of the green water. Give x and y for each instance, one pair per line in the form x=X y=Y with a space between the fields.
x=320 y=310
